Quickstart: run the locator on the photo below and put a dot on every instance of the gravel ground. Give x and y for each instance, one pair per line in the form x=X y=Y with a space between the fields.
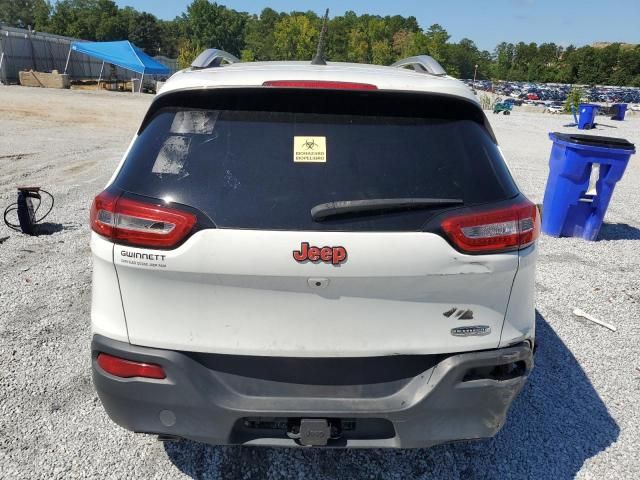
x=578 y=416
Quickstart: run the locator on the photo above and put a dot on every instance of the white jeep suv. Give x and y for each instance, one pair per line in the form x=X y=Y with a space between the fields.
x=320 y=255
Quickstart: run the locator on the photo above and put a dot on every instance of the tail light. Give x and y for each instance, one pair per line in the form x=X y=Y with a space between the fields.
x=494 y=231
x=319 y=84
x=120 y=367
x=124 y=220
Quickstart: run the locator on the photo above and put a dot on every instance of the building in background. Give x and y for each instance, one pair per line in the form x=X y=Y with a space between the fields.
x=22 y=49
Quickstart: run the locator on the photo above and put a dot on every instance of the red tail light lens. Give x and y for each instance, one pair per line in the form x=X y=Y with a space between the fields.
x=319 y=84
x=124 y=220
x=120 y=367
x=494 y=231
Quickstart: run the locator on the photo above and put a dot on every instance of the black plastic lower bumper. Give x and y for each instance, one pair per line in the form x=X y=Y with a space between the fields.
x=407 y=401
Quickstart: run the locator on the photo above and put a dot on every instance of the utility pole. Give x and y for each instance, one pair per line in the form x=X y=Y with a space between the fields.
x=34 y=65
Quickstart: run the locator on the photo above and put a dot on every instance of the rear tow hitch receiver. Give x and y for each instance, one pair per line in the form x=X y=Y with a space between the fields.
x=313 y=431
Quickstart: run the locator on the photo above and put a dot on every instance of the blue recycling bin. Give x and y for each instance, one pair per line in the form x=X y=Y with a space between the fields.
x=619 y=110
x=587 y=119
x=568 y=211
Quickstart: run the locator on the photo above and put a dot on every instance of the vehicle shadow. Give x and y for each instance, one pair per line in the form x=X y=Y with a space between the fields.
x=618 y=231
x=554 y=426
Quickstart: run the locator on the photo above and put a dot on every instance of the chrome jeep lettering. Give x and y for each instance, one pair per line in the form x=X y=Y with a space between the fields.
x=332 y=255
x=142 y=256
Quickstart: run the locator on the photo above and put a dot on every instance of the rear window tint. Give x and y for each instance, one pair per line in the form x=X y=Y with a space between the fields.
x=263 y=169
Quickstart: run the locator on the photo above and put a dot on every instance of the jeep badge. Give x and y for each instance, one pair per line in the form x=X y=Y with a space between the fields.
x=332 y=255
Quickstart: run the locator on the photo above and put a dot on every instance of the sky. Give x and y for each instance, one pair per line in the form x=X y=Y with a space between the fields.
x=486 y=22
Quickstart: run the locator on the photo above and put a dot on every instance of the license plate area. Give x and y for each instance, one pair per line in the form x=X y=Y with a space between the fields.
x=318 y=432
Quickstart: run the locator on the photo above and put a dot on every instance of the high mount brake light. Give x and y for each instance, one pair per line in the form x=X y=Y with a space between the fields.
x=319 y=84
x=119 y=367
x=494 y=231
x=124 y=220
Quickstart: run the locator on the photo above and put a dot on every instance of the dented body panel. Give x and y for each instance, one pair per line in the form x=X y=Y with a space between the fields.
x=246 y=294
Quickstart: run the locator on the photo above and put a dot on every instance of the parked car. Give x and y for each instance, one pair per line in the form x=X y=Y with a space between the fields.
x=503 y=107
x=554 y=108
x=513 y=101
x=294 y=254
x=559 y=92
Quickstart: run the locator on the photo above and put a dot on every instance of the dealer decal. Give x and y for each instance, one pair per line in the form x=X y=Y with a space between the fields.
x=143 y=259
x=332 y=255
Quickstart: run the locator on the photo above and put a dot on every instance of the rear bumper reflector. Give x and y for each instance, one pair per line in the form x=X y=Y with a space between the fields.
x=123 y=368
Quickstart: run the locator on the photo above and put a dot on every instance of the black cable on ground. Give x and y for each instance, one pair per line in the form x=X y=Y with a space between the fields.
x=13 y=207
x=48 y=211
x=7 y=222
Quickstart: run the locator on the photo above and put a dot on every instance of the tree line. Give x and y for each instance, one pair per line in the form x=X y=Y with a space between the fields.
x=365 y=38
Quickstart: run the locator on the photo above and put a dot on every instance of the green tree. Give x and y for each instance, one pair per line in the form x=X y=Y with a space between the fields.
x=170 y=37
x=339 y=28
x=187 y=52
x=436 y=42
x=397 y=23
x=585 y=61
x=567 y=71
x=573 y=99
x=259 y=35
x=146 y=33
x=215 y=26
x=464 y=56
x=382 y=53
x=25 y=13
x=295 y=38
x=523 y=68
x=88 y=19
x=503 y=54
x=358 y=43
x=607 y=62
x=627 y=69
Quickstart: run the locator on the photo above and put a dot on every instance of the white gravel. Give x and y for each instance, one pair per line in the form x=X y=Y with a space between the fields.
x=578 y=416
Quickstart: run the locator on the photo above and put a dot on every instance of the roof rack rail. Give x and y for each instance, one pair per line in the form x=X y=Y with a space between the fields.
x=422 y=63
x=212 y=57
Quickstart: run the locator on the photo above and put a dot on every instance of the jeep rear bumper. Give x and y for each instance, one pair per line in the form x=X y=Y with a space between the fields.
x=405 y=402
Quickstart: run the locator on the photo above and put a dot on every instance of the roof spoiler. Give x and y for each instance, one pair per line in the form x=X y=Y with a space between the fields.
x=212 y=57
x=423 y=64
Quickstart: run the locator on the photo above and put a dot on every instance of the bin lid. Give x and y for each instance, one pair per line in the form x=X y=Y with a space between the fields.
x=593 y=141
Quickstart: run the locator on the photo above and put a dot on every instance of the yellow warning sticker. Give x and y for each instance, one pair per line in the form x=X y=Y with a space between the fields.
x=310 y=149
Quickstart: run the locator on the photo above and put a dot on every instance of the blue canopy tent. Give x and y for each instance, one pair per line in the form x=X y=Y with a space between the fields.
x=121 y=53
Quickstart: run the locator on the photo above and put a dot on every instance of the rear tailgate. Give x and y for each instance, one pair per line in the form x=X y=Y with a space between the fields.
x=254 y=164
x=242 y=292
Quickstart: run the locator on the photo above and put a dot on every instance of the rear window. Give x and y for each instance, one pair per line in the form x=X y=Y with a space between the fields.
x=267 y=168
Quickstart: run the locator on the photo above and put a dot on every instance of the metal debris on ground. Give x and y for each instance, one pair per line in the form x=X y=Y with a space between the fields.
x=582 y=314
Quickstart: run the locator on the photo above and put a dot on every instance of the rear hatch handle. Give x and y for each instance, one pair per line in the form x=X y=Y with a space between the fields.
x=344 y=207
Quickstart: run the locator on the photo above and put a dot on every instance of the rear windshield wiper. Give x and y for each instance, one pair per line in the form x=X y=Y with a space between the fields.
x=344 y=207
